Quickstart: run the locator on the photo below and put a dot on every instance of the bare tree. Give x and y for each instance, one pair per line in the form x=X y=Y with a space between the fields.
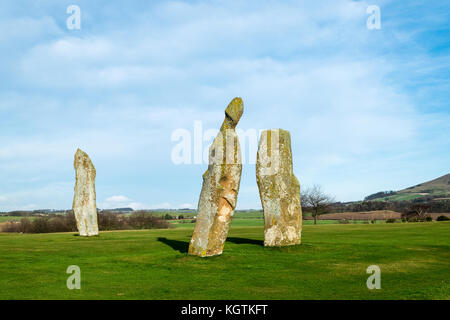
x=416 y=212
x=317 y=201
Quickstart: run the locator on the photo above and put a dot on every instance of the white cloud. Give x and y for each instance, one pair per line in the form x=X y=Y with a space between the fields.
x=163 y=205
x=55 y=195
x=27 y=29
x=118 y=93
x=117 y=199
x=186 y=206
x=137 y=206
x=201 y=35
x=121 y=201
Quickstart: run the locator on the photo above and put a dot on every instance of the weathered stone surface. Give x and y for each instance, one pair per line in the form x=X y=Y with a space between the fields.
x=279 y=189
x=220 y=187
x=84 y=205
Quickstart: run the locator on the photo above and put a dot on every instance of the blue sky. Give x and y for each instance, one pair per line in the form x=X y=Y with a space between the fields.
x=368 y=110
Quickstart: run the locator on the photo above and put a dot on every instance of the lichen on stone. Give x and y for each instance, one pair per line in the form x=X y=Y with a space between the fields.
x=84 y=200
x=220 y=187
x=279 y=189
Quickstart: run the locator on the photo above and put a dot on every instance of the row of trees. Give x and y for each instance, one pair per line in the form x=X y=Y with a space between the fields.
x=316 y=201
x=67 y=223
x=437 y=206
x=381 y=194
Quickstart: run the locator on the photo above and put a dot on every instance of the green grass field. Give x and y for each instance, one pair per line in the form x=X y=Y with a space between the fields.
x=153 y=264
x=401 y=197
x=9 y=218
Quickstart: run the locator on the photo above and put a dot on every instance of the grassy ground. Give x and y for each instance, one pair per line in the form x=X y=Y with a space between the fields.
x=153 y=264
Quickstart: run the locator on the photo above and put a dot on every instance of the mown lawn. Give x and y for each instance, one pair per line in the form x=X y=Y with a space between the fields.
x=153 y=264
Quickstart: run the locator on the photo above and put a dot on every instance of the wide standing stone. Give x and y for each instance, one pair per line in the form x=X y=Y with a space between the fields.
x=279 y=189
x=84 y=205
x=220 y=187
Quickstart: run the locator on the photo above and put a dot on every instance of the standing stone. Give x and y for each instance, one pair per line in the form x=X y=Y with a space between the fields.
x=84 y=206
x=220 y=187
x=279 y=189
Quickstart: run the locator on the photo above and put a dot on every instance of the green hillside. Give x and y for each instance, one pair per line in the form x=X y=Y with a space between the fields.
x=435 y=189
x=440 y=185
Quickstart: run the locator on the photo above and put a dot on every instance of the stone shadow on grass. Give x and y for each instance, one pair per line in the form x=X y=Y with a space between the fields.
x=181 y=246
x=245 y=241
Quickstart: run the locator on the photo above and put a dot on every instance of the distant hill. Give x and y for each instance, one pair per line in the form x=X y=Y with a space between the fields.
x=439 y=185
x=432 y=190
x=121 y=209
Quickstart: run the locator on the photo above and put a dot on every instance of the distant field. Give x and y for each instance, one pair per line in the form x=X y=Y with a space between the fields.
x=153 y=264
x=238 y=214
x=401 y=197
x=10 y=218
x=174 y=214
x=258 y=222
x=370 y=215
x=366 y=215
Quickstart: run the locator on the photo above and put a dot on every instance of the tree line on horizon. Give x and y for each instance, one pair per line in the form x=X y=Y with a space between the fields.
x=66 y=223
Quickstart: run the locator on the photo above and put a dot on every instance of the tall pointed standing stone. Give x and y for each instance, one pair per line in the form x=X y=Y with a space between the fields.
x=279 y=189
x=84 y=205
x=220 y=187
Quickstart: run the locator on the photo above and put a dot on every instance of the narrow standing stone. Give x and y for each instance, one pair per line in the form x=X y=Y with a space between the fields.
x=84 y=205
x=220 y=187
x=279 y=189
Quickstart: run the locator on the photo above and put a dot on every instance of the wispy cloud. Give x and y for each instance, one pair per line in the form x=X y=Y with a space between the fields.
x=365 y=108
